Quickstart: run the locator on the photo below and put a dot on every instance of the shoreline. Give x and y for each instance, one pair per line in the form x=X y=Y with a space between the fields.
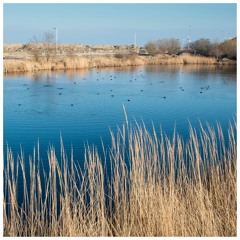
x=80 y=62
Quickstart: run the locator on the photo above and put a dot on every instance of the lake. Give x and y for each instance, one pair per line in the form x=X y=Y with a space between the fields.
x=82 y=105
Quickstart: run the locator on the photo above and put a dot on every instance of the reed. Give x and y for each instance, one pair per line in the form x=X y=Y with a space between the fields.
x=190 y=59
x=156 y=186
x=74 y=62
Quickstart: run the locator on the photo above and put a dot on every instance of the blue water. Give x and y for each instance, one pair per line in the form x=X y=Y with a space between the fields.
x=83 y=105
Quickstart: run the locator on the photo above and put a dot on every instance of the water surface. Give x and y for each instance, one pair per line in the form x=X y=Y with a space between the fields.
x=83 y=105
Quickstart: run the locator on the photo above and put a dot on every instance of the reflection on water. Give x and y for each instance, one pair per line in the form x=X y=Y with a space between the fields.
x=48 y=74
x=83 y=104
x=72 y=73
x=194 y=68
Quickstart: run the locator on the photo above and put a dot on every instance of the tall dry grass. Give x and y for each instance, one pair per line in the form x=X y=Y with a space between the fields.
x=191 y=59
x=156 y=186
x=183 y=59
x=10 y=65
x=74 y=62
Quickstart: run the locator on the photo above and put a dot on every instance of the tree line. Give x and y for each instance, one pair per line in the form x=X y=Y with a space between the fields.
x=204 y=47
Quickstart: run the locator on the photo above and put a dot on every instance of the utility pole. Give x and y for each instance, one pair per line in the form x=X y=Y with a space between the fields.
x=135 y=40
x=56 y=35
x=189 y=34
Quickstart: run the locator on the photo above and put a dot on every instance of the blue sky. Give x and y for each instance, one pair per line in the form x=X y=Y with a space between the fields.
x=117 y=24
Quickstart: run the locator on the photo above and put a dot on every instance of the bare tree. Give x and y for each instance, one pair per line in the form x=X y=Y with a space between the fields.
x=43 y=46
x=229 y=48
x=215 y=50
x=168 y=46
x=202 y=46
x=34 y=47
x=48 y=44
x=151 y=48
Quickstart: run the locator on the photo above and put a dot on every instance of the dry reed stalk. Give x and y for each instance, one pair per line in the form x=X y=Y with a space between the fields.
x=104 y=61
x=157 y=186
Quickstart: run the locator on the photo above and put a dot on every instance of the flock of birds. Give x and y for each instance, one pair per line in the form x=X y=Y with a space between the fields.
x=112 y=95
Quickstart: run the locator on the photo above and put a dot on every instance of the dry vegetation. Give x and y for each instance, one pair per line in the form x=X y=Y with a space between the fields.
x=34 y=57
x=203 y=46
x=68 y=63
x=148 y=197
x=17 y=65
x=190 y=59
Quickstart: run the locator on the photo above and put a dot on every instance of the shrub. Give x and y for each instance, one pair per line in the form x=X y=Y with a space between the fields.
x=163 y=46
x=151 y=48
x=202 y=46
x=229 y=48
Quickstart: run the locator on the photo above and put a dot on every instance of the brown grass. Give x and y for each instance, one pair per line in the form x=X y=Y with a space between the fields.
x=147 y=198
x=190 y=59
x=74 y=62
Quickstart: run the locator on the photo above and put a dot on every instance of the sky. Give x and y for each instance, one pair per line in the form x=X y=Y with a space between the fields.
x=118 y=24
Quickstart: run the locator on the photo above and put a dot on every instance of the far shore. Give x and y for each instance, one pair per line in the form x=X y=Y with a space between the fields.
x=19 y=60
